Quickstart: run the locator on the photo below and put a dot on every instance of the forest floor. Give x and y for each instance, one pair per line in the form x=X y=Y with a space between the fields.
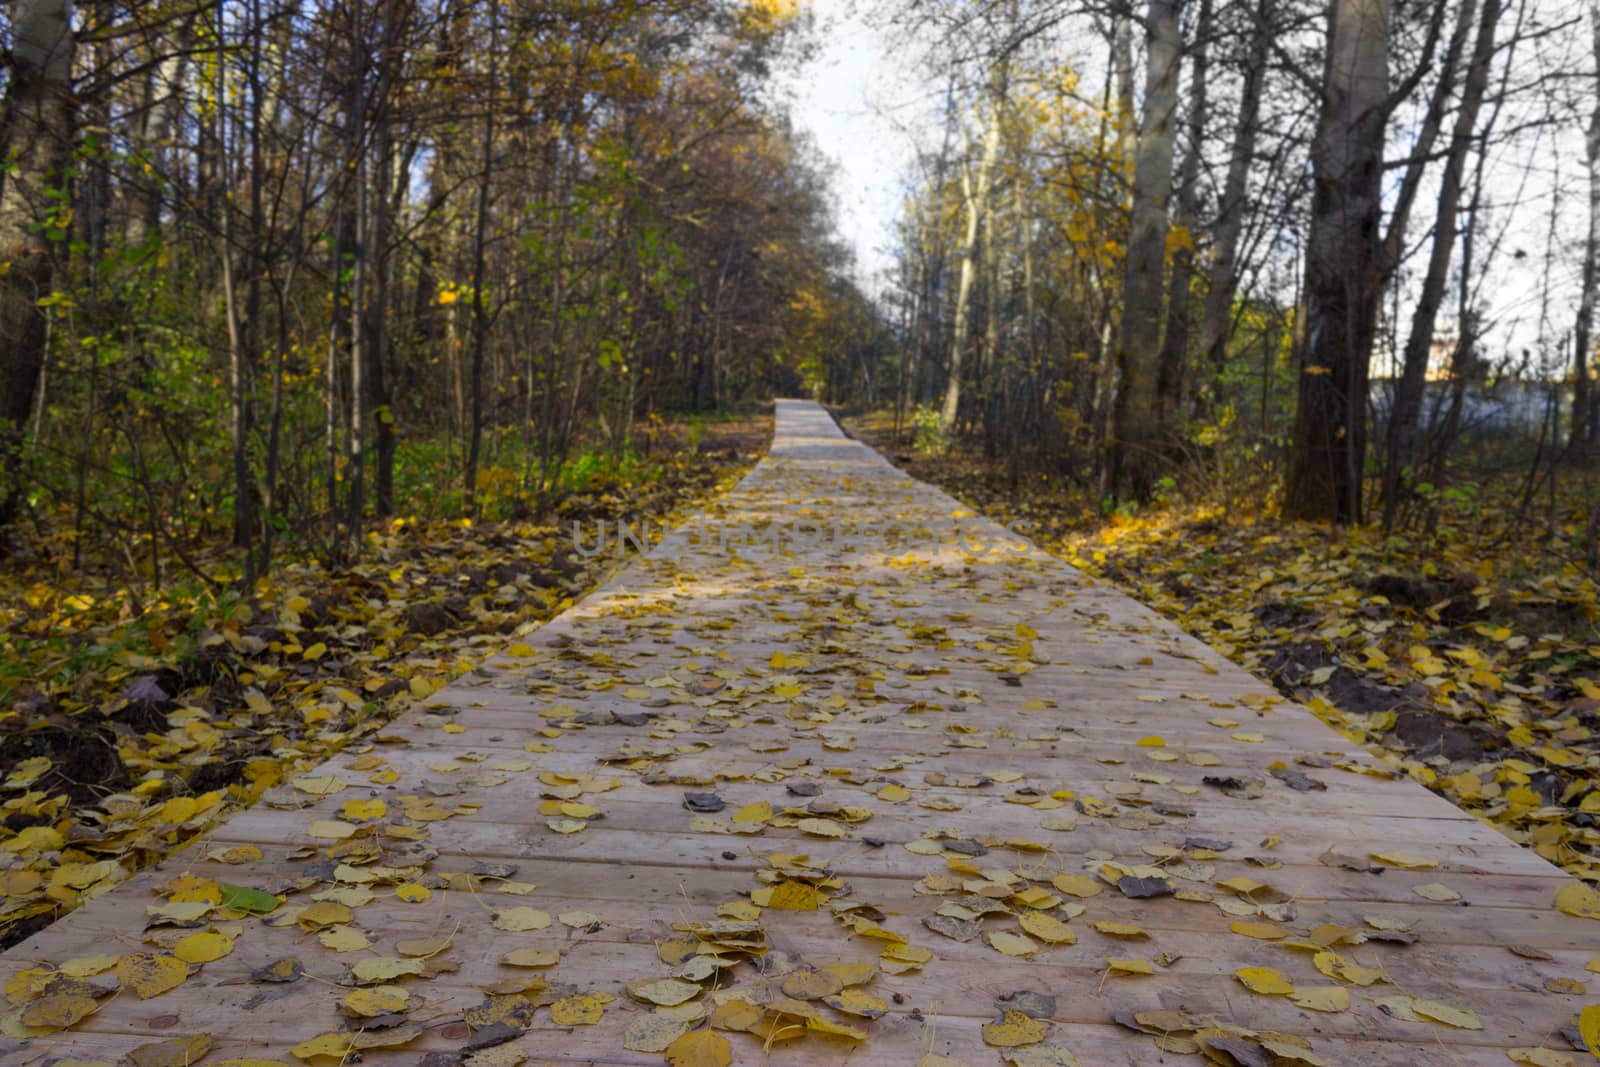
x=131 y=719
x=1467 y=655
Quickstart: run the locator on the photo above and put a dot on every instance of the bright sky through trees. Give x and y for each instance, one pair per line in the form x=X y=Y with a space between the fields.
x=867 y=110
x=870 y=106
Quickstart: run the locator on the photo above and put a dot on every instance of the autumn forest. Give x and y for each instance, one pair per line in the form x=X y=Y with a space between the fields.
x=269 y=258
x=324 y=323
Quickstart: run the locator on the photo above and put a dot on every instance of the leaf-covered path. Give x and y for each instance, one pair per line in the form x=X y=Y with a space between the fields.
x=838 y=773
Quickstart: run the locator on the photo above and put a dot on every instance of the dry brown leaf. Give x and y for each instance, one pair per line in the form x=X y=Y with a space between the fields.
x=702 y=1048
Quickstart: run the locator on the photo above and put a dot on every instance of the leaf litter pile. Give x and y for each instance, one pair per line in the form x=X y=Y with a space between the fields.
x=888 y=807
x=1475 y=672
x=126 y=734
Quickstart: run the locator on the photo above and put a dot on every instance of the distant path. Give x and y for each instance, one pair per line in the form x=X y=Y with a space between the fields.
x=939 y=685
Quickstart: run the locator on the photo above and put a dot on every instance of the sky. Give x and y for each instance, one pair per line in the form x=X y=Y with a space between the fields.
x=856 y=98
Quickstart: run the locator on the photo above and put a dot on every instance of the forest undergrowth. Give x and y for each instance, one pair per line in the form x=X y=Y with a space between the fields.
x=133 y=719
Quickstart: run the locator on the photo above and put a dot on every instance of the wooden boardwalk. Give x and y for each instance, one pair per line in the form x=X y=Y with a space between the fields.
x=923 y=746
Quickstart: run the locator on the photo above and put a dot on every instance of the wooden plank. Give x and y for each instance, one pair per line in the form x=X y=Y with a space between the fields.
x=898 y=661
x=512 y=827
x=903 y=1042
x=1046 y=774
x=641 y=905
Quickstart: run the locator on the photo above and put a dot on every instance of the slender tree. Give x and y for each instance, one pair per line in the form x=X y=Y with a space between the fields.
x=1583 y=429
x=1228 y=227
x=37 y=119
x=1172 y=369
x=1343 y=265
x=1403 y=431
x=976 y=211
x=1140 y=430
x=480 y=241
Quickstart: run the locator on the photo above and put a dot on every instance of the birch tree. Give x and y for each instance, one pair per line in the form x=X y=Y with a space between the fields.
x=1405 y=412
x=1139 y=435
x=1583 y=426
x=1226 y=230
x=1172 y=371
x=975 y=190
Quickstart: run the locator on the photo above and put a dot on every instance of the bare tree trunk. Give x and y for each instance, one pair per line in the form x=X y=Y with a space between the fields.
x=330 y=408
x=932 y=351
x=989 y=388
x=911 y=269
x=555 y=366
x=393 y=177
x=1343 y=261
x=1223 y=279
x=91 y=185
x=1030 y=321
x=1464 y=363
x=1405 y=411
x=555 y=211
x=1172 y=376
x=1103 y=386
x=1139 y=433
x=36 y=132
x=360 y=246
x=255 y=262
x=480 y=235
x=376 y=351
x=976 y=195
x=1583 y=428
x=1122 y=76
x=238 y=341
